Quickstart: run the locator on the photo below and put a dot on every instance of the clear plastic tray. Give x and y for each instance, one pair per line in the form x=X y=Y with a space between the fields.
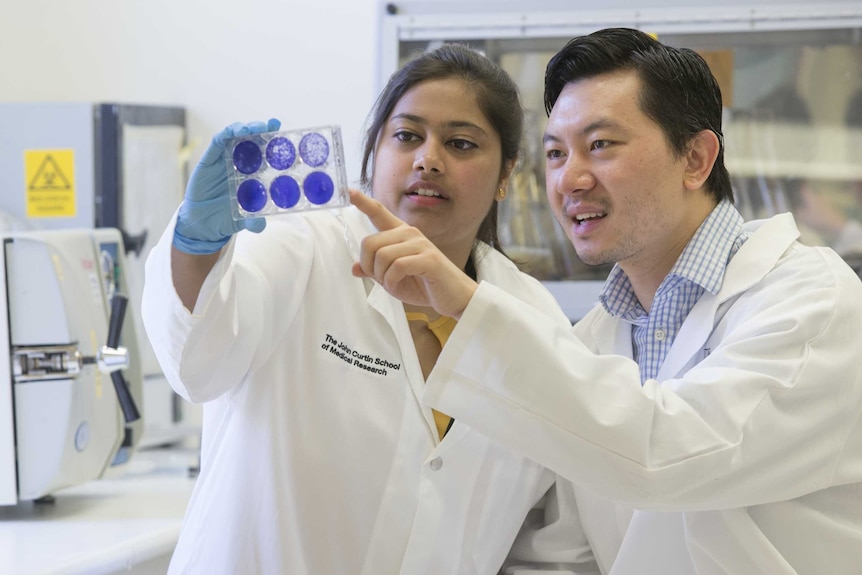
x=286 y=171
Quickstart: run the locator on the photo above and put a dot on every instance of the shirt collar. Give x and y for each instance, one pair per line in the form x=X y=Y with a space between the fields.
x=703 y=261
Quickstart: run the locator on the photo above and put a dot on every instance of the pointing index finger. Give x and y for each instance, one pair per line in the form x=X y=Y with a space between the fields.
x=382 y=218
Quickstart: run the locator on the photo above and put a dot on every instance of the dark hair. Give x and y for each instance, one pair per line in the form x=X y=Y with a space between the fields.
x=496 y=95
x=679 y=91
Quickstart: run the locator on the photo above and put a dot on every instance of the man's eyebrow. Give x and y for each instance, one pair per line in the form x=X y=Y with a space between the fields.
x=600 y=124
x=592 y=126
x=550 y=139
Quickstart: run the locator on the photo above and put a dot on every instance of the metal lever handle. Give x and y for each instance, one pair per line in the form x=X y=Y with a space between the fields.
x=118 y=358
x=111 y=359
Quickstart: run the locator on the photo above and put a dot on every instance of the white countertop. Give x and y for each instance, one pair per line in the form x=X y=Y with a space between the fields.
x=101 y=526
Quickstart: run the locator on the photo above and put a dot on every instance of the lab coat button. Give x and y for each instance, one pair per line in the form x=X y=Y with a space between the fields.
x=436 y=464
x=659 y=334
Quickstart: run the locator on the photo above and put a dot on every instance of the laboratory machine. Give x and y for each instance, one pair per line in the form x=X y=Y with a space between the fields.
x=102 y=164
x=70 y=375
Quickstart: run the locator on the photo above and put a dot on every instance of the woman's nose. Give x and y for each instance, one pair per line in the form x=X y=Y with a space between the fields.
x=428 y=159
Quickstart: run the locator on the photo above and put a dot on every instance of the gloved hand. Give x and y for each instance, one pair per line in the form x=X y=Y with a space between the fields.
x=205 y=222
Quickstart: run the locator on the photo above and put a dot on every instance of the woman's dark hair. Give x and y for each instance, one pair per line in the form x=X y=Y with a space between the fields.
x=496 y=95
x=679 y=91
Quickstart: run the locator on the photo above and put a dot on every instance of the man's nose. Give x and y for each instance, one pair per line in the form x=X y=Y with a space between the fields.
x=574 y=176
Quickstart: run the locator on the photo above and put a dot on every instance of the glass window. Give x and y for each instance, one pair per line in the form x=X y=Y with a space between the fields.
x=793 y=136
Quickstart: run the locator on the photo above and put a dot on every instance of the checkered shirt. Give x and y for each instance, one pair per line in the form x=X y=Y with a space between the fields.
x=699 y=269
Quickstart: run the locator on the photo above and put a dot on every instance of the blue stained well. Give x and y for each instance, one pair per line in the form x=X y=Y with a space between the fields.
x=284 y=191
x=280 y=153
x=318 y=187
x=251 y=195
x=247 y=157
x=313 y=149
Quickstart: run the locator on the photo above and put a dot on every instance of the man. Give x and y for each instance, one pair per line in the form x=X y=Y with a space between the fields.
x=709 y=411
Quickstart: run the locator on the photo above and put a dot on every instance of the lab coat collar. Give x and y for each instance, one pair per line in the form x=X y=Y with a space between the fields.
x=393 y=311
x=769 y=240
x=358 y=227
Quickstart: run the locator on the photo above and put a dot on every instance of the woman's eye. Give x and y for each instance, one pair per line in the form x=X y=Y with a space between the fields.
x=553 y=154
x=461 y=144
x=405 y=136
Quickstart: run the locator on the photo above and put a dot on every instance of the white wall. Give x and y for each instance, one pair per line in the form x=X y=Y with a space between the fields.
x=306 y=62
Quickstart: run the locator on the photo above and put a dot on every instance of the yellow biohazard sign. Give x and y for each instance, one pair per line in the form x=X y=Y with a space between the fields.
x=49 y=179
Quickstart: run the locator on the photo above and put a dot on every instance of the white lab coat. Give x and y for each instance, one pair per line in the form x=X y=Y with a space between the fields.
x=311 y=463
x=744 y=455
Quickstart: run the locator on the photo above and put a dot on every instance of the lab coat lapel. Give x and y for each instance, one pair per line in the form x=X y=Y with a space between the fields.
x=689 y=343
x=393 y=311
x=758 y=255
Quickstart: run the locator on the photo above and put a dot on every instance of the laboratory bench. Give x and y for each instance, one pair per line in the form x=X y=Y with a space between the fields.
x=127 y=522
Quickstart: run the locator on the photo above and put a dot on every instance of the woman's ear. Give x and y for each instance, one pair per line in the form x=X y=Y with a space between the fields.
x=700 y=158
x=506 y=173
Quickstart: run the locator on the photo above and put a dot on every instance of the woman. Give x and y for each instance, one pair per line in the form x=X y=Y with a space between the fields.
x=317 y=455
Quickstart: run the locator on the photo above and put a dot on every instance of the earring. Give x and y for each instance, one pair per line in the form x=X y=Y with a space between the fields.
x=501 y=193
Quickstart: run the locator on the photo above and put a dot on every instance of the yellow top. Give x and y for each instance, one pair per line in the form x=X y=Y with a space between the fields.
x=442 y=328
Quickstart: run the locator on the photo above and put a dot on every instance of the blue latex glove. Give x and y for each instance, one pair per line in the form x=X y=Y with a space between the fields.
x=205 y=222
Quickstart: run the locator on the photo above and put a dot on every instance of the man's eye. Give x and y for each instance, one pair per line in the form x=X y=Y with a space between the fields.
x=553 y=154
x=600 y=144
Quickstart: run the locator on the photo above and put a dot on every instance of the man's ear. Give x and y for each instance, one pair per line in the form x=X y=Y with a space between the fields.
x=700 y=158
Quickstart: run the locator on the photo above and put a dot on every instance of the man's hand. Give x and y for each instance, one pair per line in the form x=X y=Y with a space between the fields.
x=408 y=265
